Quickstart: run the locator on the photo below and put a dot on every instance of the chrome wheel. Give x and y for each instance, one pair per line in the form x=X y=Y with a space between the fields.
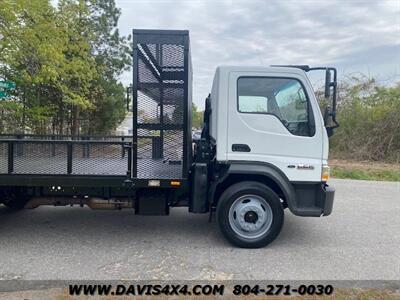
x=250 y=216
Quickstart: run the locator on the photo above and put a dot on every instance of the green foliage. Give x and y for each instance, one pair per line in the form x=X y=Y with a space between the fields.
x=354 y=173
x=65 y=61
x=10 y=116
x=110 y=108
x=369 y=117
x=197 y=117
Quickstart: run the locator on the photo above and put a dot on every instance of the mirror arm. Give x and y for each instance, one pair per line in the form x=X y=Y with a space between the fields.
x=334 y=98
x=328 y=83
x=332 y=111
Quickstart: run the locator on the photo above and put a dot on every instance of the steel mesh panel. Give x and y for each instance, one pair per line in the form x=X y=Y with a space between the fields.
x=113 y=138
x=145 y=147
x=160 y=105
x=3 y=157
x=173 y=145
x=153 y=49
x=40 y=158
x=173 y=107
x=145 y=73
x=149 y=144
x=99 y=159
x=173 y=56
x=148 y=107
x=149 y=154
x=158 y=169
x=159 y=154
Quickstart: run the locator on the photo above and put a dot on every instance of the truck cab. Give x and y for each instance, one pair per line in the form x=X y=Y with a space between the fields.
x=269 y=115
x=268 y=145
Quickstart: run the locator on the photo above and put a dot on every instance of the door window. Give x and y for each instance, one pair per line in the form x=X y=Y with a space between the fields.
x=284 y=98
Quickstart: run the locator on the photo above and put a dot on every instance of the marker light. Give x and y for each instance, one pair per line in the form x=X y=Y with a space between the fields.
x=154 y=183
x=326 y=173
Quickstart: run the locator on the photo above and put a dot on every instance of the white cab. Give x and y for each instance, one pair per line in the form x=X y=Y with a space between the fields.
x=274 y=112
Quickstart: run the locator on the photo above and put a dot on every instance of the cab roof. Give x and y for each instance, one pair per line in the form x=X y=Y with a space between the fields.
x=270 y=69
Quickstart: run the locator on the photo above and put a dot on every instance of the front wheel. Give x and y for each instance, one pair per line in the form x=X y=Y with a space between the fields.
x=250 y=215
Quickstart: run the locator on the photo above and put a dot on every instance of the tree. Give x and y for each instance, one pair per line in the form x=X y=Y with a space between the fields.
x=66 y=62
x=197 y=117
x=369 y=117
x=79 y=67
x=112 y=55
x=30 y=56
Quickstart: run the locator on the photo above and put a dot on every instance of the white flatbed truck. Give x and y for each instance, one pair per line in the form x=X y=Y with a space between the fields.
x=263 y=148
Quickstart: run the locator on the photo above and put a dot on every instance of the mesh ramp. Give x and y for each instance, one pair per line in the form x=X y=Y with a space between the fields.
x=162 y=102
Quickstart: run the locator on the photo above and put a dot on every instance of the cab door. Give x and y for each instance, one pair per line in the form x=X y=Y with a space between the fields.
x=274 y=118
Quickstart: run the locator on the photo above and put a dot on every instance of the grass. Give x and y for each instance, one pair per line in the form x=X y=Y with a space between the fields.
x=387 y=175
x=365 y=170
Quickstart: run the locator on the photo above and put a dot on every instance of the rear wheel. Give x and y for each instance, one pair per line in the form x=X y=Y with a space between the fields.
x=14 y=198
x=250 y=215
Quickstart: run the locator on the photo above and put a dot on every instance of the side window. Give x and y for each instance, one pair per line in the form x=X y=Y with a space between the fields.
x=283 y=97
x=248 y=104
x=292 y=102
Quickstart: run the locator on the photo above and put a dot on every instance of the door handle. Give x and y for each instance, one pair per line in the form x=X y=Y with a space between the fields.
x=240 y=148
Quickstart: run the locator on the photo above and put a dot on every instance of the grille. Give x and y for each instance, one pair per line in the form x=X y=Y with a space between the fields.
x=161 y=104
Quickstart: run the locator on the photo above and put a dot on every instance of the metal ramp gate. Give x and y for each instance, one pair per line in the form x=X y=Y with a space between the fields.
x=161 y=104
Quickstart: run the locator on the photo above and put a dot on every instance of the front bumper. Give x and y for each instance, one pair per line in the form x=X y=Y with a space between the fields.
x=326 y=201
x=312 y=199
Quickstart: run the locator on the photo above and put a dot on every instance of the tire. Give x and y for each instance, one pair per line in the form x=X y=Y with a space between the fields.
x=14 y=198
x=249 y=214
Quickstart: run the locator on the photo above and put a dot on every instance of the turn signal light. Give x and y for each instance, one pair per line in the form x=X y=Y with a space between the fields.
x=175 y=183
x=326 y=173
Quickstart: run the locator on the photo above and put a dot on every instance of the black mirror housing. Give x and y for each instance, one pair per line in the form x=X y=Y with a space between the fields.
x=327 y=114
x=327 y=83
x=329 y=131
x=329 y=121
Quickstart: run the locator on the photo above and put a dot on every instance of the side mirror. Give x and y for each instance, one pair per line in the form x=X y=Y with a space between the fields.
x=328 y=120
x=329 y=131
x=327 y=83
x=327 y=114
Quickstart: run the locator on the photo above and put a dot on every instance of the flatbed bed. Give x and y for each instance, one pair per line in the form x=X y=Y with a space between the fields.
x=93 y=166
x=88 y=157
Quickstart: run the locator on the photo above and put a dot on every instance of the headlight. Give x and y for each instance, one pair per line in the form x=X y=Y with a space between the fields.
x=326 y=173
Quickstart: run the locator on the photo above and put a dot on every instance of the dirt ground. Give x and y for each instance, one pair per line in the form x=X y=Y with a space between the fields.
x=363 y=165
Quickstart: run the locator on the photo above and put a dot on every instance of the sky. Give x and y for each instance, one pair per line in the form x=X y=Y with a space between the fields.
x=354 y=36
